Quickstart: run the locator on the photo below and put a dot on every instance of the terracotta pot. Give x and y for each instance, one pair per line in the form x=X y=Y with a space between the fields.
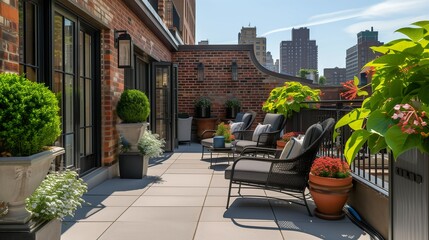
x=281 y=144
x=329 y=195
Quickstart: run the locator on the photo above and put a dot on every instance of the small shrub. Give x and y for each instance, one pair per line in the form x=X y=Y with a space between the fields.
x=151 y=145
x=203 y=102
x=224 y=130
x=330 y=167
x=29 y=116
x=133 y=106
x=232 y=103
x=59 y=195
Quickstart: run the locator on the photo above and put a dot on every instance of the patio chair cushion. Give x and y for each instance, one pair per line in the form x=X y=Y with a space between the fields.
x=250 y=171
x=261 y=128
x=247 y=117
x=274 y=119
x=241 y=144
x=239 y=117
x=292 y=148
x=237 y=126
x=312 y=133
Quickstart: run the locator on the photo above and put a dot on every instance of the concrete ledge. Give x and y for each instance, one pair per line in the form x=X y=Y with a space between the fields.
x=100 y=175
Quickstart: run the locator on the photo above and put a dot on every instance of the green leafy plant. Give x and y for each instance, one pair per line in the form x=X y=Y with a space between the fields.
x=394 y=116
x=151 y=145
x=29 y=118
x=59 y=195
x=224 y=130
x=232 y=103
x=133 y=106
x=330 y=167
x=203 y=102
x=289 y=98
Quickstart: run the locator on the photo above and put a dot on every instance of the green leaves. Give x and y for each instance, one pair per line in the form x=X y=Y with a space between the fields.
x=378 y=122
x=355 y=143
x=414 y=34
x=399 y=142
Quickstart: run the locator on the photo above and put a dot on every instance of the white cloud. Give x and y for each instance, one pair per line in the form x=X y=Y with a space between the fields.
x=383 y=25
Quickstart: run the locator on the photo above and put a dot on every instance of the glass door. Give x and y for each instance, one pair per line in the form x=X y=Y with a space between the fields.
x=163 y=99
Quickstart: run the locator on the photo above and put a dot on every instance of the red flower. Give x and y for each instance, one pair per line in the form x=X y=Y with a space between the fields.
x=330 y=167
x=352 y=92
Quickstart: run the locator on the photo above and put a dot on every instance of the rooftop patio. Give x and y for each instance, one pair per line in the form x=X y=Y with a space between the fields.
x=183 y=198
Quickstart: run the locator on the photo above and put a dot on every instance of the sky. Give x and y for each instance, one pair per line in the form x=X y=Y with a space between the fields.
x=334 y=24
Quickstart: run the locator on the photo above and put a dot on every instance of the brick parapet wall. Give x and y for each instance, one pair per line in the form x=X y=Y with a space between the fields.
x=252 y=87
x=9 y=40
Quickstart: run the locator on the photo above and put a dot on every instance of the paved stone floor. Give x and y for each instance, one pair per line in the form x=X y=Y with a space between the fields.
x=182 y=198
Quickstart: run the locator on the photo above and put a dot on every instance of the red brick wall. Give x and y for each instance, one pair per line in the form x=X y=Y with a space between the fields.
x=252 y=87
x=116 y=15
x=9 y=36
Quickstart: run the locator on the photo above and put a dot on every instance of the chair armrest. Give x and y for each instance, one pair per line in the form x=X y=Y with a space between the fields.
x=207 y=132
x=267 y=138
x=243 y=134
x=253 y=149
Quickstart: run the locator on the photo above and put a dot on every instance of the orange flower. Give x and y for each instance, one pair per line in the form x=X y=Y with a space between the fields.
x=352 y=92
x=370 y=71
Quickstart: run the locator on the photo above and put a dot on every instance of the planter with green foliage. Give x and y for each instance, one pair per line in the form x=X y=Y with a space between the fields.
x=133 y=109
x=290 y=98
x=29 y=123
x=232 y=107
x=203 y=107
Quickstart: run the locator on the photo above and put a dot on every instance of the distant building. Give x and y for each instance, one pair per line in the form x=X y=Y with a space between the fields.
x=276 y=65
x=269 y=64
x=300 y=53
x=334 y=76
x=248 y=36
x=203 y=42
x=184 y=17
x=361 y=53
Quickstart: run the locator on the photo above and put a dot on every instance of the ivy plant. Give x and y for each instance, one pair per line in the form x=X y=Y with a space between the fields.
x=395 y=115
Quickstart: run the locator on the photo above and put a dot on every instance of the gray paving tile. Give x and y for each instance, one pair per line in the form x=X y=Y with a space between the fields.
x=239 y=214
x=139 y=214
x=318 y=230
x=109 y=201
x=235 y=231
x=96 y=214
x=189 y=201
x=176 y=191
x=83 y=230
x=189 y=171
x=184 y=180
x=189 y=166
x=117 y=186
x=219 y=181
x=159 y=230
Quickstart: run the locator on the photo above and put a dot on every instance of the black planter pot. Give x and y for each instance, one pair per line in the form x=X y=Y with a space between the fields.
x=202 y=112
x=409 y=196
x=232 y=112
x=132 y=165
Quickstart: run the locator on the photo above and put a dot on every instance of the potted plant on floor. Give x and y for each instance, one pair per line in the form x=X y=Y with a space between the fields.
x=29 y=123
x=223 y=135
x=203 y=107
x=136 y=165
x=395 y=117
x=329 y=184
x=281 y=143
x=232 y=107
x=133 y=109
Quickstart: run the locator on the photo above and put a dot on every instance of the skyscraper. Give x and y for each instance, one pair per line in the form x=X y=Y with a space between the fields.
x=361 y=53
x=334 y=76
x=300 y=53
x=269 y=64
x=248 y=36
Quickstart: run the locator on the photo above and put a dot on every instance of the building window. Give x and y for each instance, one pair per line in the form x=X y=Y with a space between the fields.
x=29 y=51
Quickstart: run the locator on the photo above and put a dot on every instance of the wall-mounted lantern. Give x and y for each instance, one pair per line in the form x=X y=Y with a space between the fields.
x=234 y=70
x=200 y=69
x=124 y=44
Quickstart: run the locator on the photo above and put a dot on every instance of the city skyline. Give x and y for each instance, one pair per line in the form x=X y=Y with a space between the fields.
x=334 y=26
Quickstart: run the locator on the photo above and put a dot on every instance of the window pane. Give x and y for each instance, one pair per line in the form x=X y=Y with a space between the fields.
x=81 y=54
x=31 y=73
x=82 y=101
x=88 y=101
x=68 y=46
x=68 y=98
x=57 y=88
x=82 y=142
x=69 y=147
x=88 y=55
x=89 y=149
x=58 y=42
x=30 y=34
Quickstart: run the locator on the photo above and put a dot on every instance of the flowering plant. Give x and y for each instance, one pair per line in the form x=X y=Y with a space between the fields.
x=59 y=195
x=288 y=98
x=224 y=130
x=287 y=136
x=151 y=145
x=394 y=116
x=330 y=167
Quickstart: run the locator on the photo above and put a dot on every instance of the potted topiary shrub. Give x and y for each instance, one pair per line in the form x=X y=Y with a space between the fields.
x=202 y=107
x=133 y=109
x=232 y=107
x=29 y=123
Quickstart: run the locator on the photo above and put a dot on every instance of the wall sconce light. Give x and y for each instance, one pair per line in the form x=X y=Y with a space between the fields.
x=234 y=70
x=124 y=44
x=200 y=68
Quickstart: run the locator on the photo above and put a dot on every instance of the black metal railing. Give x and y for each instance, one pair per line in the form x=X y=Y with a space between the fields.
x=367 y=167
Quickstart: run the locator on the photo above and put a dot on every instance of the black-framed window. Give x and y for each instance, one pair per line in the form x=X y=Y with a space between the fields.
x=29 y=39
